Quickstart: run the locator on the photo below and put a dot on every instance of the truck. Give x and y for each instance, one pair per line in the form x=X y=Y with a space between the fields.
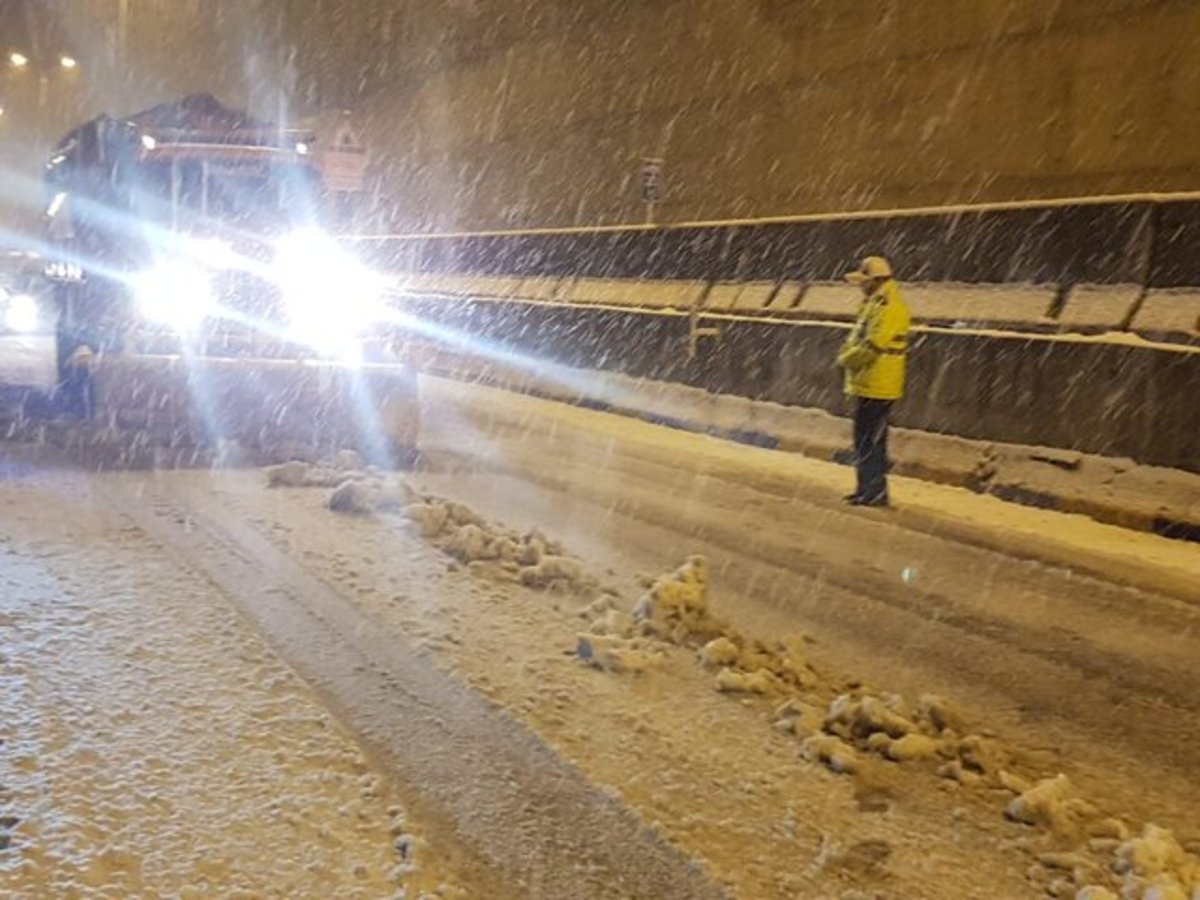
x=189 y=220
x=193 y=231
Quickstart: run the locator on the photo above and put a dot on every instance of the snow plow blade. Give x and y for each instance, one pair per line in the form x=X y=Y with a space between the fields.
x=172 y=411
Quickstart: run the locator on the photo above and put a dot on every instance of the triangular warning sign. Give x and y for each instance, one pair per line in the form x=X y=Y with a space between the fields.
x=344 y=161
x=346 y=138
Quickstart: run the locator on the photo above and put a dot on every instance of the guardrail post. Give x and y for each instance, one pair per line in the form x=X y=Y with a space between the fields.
x=696 y=332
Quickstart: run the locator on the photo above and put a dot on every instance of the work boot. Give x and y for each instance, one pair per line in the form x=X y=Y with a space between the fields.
x=879 y=501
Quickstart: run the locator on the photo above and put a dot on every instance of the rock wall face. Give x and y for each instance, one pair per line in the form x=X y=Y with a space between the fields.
x=487 y=114
x=494 y=113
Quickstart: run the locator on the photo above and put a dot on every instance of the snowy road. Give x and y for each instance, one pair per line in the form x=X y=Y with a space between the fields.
x=151 y=744
x=522 y=771
x=1082 y=633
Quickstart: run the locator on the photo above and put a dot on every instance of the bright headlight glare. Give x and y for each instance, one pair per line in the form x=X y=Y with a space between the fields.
x=213 y=253
x=331 y=298
x=22 y=314
x=177 y=295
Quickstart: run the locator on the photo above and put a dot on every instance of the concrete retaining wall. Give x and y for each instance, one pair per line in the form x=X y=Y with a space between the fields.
x=1145 y=242
x=1115 y=399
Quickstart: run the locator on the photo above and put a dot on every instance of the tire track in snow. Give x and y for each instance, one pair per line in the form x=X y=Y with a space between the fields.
x=526 y=811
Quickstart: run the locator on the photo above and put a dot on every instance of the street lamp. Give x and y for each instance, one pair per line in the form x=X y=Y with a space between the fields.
x=38 y=73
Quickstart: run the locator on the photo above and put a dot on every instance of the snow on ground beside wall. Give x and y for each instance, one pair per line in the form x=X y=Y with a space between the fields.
x=152 y=744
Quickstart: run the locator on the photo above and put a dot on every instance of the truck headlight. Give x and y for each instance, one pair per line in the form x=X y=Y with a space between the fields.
x=175 y=294
x=330 y=298
x=21 y=315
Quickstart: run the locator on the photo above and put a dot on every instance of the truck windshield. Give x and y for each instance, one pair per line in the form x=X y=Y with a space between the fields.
x=253 y=196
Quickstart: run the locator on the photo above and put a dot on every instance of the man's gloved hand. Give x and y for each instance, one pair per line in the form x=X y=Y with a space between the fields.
x=854 y=356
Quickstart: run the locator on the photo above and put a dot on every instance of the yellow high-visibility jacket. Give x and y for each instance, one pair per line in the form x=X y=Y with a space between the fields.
x=875 y=351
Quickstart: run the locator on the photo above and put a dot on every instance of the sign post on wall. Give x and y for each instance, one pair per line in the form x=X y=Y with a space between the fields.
x=651 y=181
x=343 y=163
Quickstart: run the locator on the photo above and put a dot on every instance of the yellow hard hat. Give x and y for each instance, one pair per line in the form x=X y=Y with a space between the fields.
x=873 y=268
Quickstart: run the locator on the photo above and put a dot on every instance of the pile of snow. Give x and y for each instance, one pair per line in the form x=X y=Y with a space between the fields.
x=1151 y=866
x=860 y=722
x=488 y=548
x=833 y=752
x=357 y=490
x=752 y=666
x=352 y=496
x=300 y=474
x=530 y=557
x=1052 y=804
x=612 y=653
x=674 y=611
x=675 y=608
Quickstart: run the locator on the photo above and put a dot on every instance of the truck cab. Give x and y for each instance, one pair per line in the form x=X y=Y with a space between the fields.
x=163 y=224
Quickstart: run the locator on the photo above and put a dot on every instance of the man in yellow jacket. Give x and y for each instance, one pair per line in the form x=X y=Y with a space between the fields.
x=874 y=358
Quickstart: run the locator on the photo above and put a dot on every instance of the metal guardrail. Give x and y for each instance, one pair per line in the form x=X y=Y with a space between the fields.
x=1145 y=239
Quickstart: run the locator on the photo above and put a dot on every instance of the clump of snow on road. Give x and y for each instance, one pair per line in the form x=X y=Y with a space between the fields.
x=674 y=611
x=1154 y=866
x=1150 y=866
x=855 y=725
x=487 y=548
x=352 y=497
x=529 y=558
x=840 y=730
x=357 y=490
x=674 y=608
x=302 y=474
x=1053 y=804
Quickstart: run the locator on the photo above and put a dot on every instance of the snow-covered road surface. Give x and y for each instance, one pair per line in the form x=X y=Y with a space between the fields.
x=1086 y=630
x=152 y=744
x=524 y=772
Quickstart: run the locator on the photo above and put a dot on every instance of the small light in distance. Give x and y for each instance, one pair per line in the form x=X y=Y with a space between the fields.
x=68 y=62
x=22 y=314
x=302 y=148
x=18 y=60
x=56 y=204
x=176 y=294
x=149 y=142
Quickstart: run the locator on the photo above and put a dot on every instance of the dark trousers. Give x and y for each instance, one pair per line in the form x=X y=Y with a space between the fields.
x=870 y=448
